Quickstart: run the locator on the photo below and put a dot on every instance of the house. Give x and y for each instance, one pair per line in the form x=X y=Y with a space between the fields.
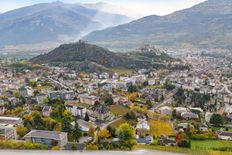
x=88 y=99
x=11 y=120
x=104 y=76
x=165 y=110
x=142 y=127
x=189 y=115
x=145 y=140
x=2 y=109
x=46 y=111
x=40 y=98
x=26 y=91
x=179 y=110
x=77 y=111
x=208 y=116
x=183 y=126
x=167 y=141
x=7 y=132
x=224 y=135
x=48 y=138
x=64 y=95
x=99 y=112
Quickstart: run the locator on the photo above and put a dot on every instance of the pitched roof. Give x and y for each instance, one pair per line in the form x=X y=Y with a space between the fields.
x=224 y=133
x=46 y=134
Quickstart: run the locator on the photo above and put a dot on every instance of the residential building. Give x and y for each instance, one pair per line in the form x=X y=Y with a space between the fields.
x=11 y=120
x=224 y=135
x=48 y=138
x=46 y=111
x=142 y=127
x=88 y=99
x=7 y=132
x=100 y=113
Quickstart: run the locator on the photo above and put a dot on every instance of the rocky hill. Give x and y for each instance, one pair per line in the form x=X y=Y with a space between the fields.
x=88 y=57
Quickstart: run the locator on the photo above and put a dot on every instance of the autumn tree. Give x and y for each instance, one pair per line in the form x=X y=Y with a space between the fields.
x=103 y=134
x=21 y=131
x=91 y=131
x=126 y=135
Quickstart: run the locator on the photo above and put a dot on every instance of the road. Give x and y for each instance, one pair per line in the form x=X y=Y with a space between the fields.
x=58 y=83
x=136 y=152
x=168 y=99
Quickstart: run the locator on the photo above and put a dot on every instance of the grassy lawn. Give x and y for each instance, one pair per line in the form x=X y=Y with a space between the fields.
x=141 y=100
x=76 y=103
x=122 y=71
x=210 y=144
x=159 y=128
x=121 y=121
x=118 y=110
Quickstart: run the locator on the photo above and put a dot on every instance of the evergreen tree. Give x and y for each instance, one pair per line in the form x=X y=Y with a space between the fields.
x=86 y=117
x=65 y=125
x=77 y=134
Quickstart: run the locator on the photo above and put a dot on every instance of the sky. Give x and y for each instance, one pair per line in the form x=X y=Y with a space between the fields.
x=133 y=7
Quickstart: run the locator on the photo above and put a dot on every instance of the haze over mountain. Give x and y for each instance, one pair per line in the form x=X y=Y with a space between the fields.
x=206 y=25
x=113 y=8
x=53 y=22
x=89 y=57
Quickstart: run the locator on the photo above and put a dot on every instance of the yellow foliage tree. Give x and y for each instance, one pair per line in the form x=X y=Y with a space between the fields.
x=103 y=134
x=132 y=96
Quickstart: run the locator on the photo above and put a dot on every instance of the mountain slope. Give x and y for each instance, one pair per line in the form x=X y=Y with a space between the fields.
x=205 y=25
x=53 y=22
x=88 y=57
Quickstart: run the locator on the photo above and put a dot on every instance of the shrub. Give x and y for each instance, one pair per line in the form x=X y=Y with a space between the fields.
x=55 y=148
x=91 y=146
x=184 y=143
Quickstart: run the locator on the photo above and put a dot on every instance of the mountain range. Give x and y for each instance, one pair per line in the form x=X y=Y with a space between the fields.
x=206 y=25
x=53 y=22
x=88 y=57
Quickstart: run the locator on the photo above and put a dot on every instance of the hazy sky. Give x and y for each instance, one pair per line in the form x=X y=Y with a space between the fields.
x=143 y=7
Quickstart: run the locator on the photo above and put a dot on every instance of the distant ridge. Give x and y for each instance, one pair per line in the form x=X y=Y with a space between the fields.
x=53 y=22
x=206 y=25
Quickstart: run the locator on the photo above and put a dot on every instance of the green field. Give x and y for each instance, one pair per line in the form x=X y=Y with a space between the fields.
x=210 y=144
x=118 y=110
x=122 y=71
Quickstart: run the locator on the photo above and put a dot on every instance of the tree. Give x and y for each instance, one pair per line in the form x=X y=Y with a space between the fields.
x=108 y=100
x=65 y=125
x=76 y=133
x=112 y=131
x=16 y=94
x=145 y=83
x=126 y=135
x=216 y=120
x=46 y=100
x=103 y=134
x=91 y=131
x=67 y=114
x=132 y=96
x=21 y=131
x=86 y=117
x=184 y=143
x=131 y=115
x=132 y=88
